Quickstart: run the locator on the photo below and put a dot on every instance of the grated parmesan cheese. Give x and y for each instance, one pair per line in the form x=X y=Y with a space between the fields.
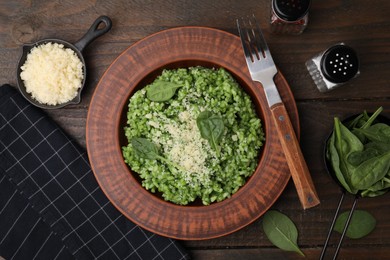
x=188 y=149
x=52 y=74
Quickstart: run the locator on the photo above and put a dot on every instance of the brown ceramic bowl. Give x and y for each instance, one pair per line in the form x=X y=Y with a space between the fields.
x=138 y=66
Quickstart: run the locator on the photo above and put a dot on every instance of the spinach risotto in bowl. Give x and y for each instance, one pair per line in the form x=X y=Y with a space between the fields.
x=193 y=133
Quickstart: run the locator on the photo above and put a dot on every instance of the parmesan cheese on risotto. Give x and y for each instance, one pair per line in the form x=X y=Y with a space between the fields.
x=52 y=73
x=199 y=172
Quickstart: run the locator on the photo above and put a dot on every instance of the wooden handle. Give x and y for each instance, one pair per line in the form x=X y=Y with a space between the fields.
x=295 y=160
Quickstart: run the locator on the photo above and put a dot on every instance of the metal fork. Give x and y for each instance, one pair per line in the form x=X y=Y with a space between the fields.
x=262 y=69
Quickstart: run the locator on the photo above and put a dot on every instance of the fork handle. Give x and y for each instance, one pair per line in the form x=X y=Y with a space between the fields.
x=296 y=162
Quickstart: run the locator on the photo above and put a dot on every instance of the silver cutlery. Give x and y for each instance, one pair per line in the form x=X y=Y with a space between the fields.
x=262 y=69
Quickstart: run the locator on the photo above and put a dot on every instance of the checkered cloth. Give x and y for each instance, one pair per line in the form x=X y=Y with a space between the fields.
x=51 y=206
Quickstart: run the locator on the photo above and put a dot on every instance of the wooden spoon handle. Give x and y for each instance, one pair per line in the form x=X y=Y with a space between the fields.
x=295 y=160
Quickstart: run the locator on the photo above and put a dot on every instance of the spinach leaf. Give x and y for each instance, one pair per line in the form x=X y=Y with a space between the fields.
x=371 y=149
x=379 y=188
x=356 y=158
x=372 y=194
x=281 y=231
x=345 y=144
x=379 y=146
x=371 y=171
x=211 y=128
x=146 y=149
x=372 y=118
x=161 y=90
x=360 y=154
x=363 y=122
x=357 y=122
x=362 y=223
x=377 y=133
x=334 y=160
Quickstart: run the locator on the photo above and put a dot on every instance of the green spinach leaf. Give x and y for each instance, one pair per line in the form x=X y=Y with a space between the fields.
x=345 y=144
x=376 y=133
x=371 y=119
x=160 y=90
x=371 y=171
x=360 y=154
x=365 y=122
x=334 y=160
x=371 y=149
x=146 y=149
x=281 y=231
x=379 y=146
x=356 y=158
x=362 y=223
x=379 y=188
x=357 y=122
x=211 y=128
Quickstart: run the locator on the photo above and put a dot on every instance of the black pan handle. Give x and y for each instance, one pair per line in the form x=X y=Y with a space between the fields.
x=94 y=32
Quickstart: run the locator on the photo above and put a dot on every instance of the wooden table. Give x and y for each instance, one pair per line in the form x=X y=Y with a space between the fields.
x=364 y=25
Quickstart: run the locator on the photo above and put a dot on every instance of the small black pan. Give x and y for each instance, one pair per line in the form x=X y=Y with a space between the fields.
x=330 y=171
x=93 y=33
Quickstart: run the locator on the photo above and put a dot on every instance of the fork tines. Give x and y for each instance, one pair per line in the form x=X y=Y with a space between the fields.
x=252 y=37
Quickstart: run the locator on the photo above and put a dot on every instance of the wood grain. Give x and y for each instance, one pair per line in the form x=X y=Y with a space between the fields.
x=178 y=48
x=364 y=25
x=307 y=193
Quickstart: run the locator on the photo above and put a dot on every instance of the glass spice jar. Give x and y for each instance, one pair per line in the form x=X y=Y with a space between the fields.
x=289 y=16
x=334 y=67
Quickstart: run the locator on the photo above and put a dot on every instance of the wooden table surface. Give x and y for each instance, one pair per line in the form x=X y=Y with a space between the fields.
x=364 y=25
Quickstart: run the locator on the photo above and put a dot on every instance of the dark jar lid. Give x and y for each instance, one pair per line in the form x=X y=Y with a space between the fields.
x=290 y=10
x=339 y=63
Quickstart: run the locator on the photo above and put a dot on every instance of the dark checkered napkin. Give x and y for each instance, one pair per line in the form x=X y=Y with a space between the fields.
x=51 y=206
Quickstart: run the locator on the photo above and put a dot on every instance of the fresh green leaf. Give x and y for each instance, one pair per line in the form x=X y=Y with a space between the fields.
x=360 y=154
x=357 y=122
x=376 y=133
x=371 y=149
x=281 y=231
x=379 y=188
x=372 y=118
x=334 y=159
x=361 y=224
x=372 y=194
x=379 y=146
x=161 y=90
x=144 y=148
x=363 y=121
x=211 y=128
x=356 y=158
x=371 y=171
x=345 y=144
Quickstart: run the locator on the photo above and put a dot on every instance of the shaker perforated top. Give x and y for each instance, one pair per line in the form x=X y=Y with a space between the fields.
x=291 y=10
x=339 y=63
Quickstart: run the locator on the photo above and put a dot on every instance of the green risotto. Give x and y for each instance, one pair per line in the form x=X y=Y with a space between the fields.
x=193 y=133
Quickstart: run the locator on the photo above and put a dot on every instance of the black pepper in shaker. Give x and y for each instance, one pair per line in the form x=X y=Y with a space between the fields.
x=334 y=67
x=289 y=16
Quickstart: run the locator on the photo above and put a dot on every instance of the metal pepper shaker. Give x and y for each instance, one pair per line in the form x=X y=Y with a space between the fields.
x=289 y=16
x=333 y=67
